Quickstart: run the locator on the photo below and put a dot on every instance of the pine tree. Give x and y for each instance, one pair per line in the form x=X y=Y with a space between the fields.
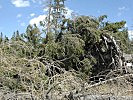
x=33 y=35
x=6 y=39
x=1 y=37
x=56 y=10
x=58 y=14
x=16 y=36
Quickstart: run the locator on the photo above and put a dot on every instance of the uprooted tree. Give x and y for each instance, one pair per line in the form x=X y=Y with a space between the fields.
x=87 y=45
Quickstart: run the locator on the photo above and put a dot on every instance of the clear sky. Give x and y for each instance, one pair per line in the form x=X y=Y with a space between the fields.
x=17 y=14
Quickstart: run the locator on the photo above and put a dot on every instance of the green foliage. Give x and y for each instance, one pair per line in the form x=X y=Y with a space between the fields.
x=86 y=66
x=84 y=44
x=54 y=50
x=120 y=33
x=19 y=73
x=73 y=45
x=16 y=36
x=1 y=38
x=6 y=39
x=79 y=44
x=114 y=27
x=33 y=35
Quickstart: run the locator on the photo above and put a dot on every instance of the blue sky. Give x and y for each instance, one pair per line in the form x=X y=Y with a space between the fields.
x=17 y=14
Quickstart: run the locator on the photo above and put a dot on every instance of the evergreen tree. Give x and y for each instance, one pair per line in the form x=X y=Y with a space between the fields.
x=6 y=39
x=16 y=36
x=33 y=35
x=56 y=10
x=1 y=37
